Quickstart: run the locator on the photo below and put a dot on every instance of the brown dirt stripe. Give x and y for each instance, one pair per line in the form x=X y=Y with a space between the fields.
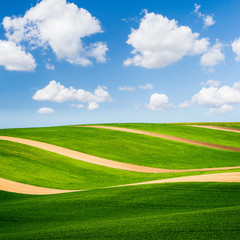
x=216 y=177
x=15 y=187
x=217 y=128
x=101 y=161
x=11 y=186
x=179 y=139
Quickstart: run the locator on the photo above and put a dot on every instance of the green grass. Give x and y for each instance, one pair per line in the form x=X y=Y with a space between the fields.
x=157 y=211
x=163 y=211
x=181 y=130
x=130 y=148
x=37 y=167
x=221 y=124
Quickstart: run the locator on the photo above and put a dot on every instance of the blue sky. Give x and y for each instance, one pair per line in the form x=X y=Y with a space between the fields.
x=190 y=77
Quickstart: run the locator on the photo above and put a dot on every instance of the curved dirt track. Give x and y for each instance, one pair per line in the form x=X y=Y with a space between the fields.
x=178 y=139
x=11 y=186
x=15 y=187
x=227 y=129
x=102 y=161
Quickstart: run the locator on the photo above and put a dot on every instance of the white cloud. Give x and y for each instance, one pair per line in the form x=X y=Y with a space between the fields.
x=126 y=88
x=222 y=110
x=14 y=57
x=55 y=92
x=213 y=56
x=207 y=19
x=185 y=104
x=61 y=26
x=218 y=100
x=77 y=105
x=147 y=86
x=236 y=48
x=196 y=9
x=93 y=106
x=211 y=83
x=159 y=102
x=159 y=42
x=49 y=66
x=45 y=110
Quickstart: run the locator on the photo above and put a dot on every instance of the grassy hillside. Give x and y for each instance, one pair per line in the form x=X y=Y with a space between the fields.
x=164 y=211
x=181 y=130
x=222 y=124
x=37 y=167
x=130 y=148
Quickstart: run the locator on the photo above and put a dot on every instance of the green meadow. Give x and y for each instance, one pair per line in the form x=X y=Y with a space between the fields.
x=38 y=167
x=134 y=148
x=160 y=211
x=183 y=130
x=153 y=211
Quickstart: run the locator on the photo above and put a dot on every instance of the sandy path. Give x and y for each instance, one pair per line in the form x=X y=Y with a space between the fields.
x=11 y=186
x=217 y=128
x=179 y=139
x=15 y=187
x=101 y=161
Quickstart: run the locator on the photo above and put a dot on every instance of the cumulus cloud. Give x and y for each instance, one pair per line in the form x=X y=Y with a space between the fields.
x=236 y=48
x=126 y=88
x=159 y=42
x=213 y=56
x=207 y=19
x=15 y=58
x=45 y=110
x=55 y=92
x=159 y=102
x=219 y=100
x=60 y=25
x=148 y=86
x=211 y=83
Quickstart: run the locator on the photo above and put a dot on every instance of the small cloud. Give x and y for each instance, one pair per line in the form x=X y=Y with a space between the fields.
x=126 y=88
x=196 y=8
x=159 y=102
x=207 y=19
x=14 y=58
x=219 y=100
x=49 y=66
x=213 y=56
x=45 y=110
x=56 y=92
x=222 y=110
x=147 y=86
x=236 y=49
x=77 y=105
x=211 y=83
x=185 y=104
x=93 y=106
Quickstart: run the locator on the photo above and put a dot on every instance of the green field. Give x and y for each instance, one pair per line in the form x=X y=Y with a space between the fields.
x=154 y=211
x=189 y=132
x=221 y=124
x=164 y=211
x=132 y=148
x=38 y=167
